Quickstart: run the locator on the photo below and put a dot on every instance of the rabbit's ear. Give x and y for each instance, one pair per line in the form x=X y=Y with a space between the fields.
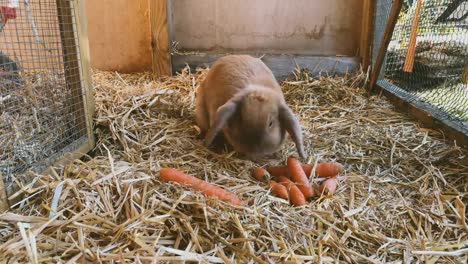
x=289 y=121
x=223 y=114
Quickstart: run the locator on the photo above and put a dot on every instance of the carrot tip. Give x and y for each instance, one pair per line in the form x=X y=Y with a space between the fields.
x=260 y=174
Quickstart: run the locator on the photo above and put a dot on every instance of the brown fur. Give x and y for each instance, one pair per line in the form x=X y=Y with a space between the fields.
x=241 y=97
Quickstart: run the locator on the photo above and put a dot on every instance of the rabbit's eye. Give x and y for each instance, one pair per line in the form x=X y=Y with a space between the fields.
x=271 y=124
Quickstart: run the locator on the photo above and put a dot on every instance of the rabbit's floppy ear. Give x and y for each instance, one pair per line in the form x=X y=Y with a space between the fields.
x=223 y=114
x=291 y=124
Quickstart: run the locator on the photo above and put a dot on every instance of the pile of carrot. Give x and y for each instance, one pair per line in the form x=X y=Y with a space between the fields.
x=291 y=181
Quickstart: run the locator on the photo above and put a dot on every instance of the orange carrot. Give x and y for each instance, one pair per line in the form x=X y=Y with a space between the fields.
x=323 y=170
x=279 y=189
x=299 y=177
x=208 y=189
x=278 y=170
x=286 y=182
x=296 y=196
x=328 y=187
x=328 y=169
x=260 y=174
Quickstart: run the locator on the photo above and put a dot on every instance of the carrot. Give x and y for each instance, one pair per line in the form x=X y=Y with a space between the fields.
x=208 y=189
x=328 y=169
x=322 y=170
x=278 y=171
x=296 y=196
x=328 y=187
x=260 y=174
x=286 y=182
x=279 y=189
x=299 y=177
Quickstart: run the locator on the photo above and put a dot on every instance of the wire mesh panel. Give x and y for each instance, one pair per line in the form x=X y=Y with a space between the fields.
x=42 y=106
x=438 y=73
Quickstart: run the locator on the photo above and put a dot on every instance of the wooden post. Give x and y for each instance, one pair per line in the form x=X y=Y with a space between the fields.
x=71 y=63
x=160 y=41
x=387 y=36
x=82 y=29
x=409 y=61
x=367 y=28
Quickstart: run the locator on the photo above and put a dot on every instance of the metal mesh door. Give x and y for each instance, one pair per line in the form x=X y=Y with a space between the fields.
x=42 y=94
x=438 y=79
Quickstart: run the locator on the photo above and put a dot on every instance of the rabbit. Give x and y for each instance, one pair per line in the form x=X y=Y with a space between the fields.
x=241 y=98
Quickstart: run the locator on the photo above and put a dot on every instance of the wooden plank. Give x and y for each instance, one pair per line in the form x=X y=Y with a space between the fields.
x=160 y=42
x=367 y=28
x=409 y=61
x=119 y=35
x=424 y=114
x=301 y=27
x=424 y=117
x=282 y=66
x=170 y=24
x=392 y=19
x=87 y=85
x=71 y=64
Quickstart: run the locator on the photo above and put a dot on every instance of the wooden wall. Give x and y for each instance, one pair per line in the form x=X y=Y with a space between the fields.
x=119 y=35
x=310 y=27
x=120 y=30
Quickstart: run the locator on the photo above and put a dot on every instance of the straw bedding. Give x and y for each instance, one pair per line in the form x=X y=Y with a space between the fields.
x=29 y=105
x=402 y=196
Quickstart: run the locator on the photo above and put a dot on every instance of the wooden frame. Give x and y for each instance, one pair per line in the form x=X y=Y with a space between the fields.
x=280 y=65
x=83 y=43
x=160 y=19
x=76 y=58
x=422 y=113
x=392 y=20
x=70 y=60
x=367 y=27
x=87 y=87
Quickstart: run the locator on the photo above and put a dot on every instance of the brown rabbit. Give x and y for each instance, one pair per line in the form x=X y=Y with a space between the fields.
x=241 y=97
